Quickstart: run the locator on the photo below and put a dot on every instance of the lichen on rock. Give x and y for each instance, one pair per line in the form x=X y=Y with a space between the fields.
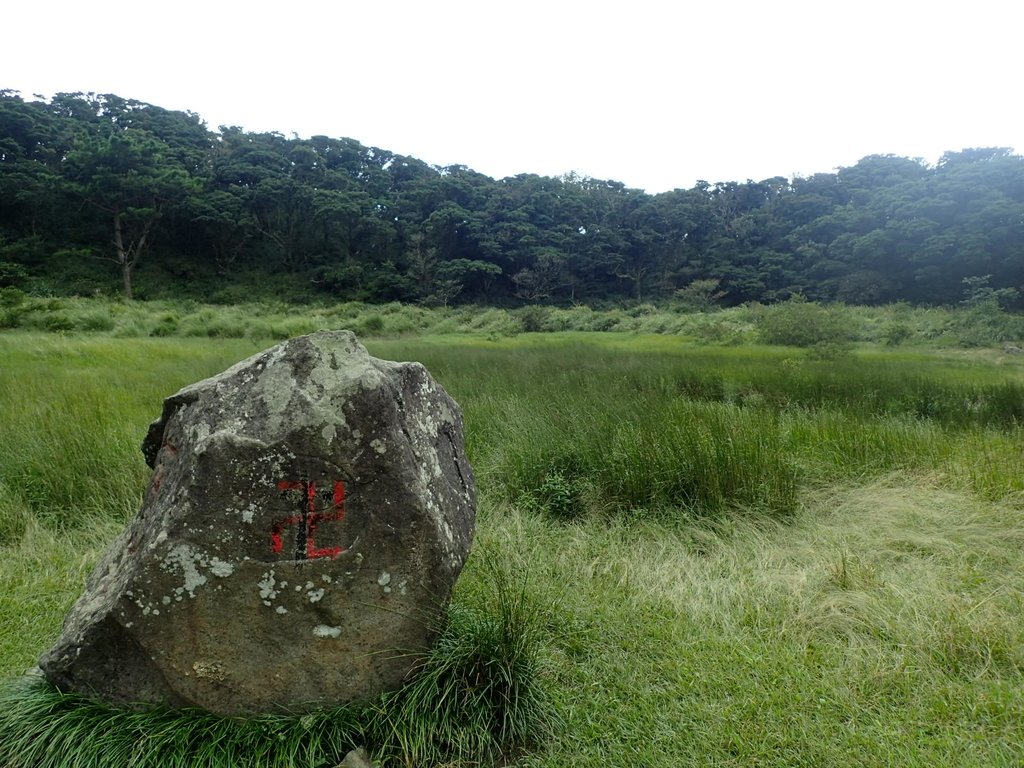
x=291 y=496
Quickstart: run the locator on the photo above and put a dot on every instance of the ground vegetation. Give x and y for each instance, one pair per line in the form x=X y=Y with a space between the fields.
x=688 y=552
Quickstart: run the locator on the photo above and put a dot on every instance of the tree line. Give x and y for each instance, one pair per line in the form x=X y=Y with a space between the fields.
x=101 y=193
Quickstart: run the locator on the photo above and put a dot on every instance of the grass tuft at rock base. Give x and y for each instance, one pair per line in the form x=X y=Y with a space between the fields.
x=476 y=698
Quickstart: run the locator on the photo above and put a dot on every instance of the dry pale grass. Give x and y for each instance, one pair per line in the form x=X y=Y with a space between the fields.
x=881 y=626
x=903 y=565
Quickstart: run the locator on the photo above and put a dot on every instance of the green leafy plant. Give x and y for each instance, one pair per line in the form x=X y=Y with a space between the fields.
x=558 y=495
x=896 y=333
x=801 y=323
x=700 y=295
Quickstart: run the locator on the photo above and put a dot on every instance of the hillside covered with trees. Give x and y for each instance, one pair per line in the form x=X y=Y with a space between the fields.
x=100 y=193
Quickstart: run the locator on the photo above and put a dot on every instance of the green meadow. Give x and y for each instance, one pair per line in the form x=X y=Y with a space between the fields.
x=692 y=549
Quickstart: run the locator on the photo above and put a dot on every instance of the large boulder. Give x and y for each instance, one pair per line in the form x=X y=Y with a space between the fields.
x=308 y=514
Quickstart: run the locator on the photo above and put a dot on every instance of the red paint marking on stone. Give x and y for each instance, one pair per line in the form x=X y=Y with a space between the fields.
x=308 y=520
x=337 y=513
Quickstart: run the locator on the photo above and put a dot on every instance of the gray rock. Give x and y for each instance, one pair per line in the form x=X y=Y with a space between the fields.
x=357 y=758
x=308 y=514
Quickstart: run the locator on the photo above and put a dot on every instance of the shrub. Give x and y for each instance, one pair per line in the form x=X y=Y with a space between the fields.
x=57 y=321
x=371 y=324
x=985 y=324
x=95 y=320
x=896 y=333
x=12 y=273
x=166 y=325
x=495 y=322
x=800 y=323
x=12 y=302
x=714 y=329
x=534 y=318
x=558 y=495
x=699 y=296
x=11 y=297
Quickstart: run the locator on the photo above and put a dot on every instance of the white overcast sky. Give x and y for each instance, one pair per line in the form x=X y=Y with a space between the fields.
x=656 y=94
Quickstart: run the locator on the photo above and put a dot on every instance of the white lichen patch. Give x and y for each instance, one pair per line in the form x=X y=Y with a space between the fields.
x=281 y=609
x=325 y=632
x=446 y=413
x=267 y=586
x=249 y=513
x=315 y=595
x=378 y=446
x=160 y=539
x=200 y=432
x=188 y=561
x=384 y=579
x=303 y=401
x=275 y=386
x=221 y=568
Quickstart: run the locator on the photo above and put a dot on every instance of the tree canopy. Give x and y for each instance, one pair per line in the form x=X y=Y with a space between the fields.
x=104 y=193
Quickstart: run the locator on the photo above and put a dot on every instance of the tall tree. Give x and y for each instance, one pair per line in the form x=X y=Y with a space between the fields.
x=129 y=177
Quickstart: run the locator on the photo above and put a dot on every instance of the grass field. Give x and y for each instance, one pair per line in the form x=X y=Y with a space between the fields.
x=730 y=555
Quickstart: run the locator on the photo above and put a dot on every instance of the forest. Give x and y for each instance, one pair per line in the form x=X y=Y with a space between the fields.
x=101 y=194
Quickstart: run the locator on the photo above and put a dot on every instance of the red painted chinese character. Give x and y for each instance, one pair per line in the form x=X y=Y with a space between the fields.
x=306 y=521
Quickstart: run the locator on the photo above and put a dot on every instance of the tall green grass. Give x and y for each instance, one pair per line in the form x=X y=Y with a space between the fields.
x=695 y=458
x=823 y=331
x=880 y=625
x=573 y=427
x=769 y=559
x=73 y=417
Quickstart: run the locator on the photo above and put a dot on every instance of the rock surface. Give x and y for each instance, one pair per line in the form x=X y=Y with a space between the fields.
x=357 y=758
x=309 y=511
